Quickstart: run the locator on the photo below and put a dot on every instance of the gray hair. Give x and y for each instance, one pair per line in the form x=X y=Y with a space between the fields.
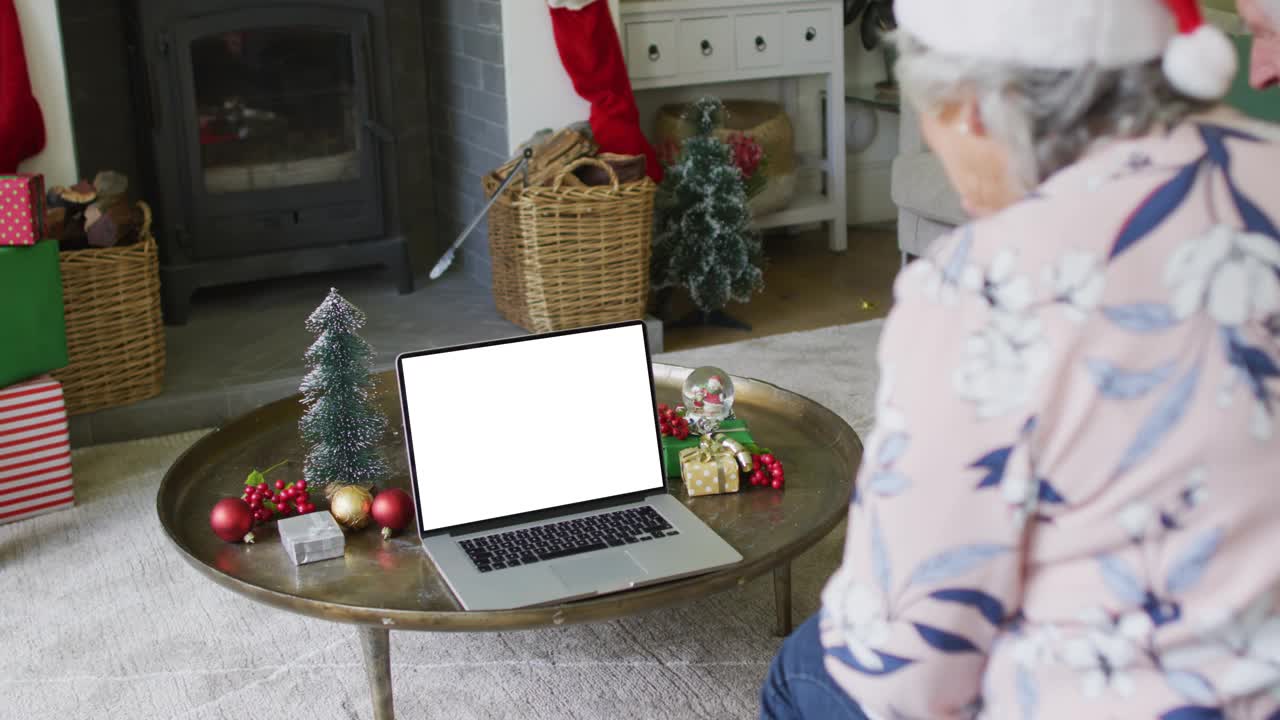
x=1047 y=118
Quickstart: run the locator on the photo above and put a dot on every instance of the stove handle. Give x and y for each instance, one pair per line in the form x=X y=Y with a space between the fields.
x=367 y=121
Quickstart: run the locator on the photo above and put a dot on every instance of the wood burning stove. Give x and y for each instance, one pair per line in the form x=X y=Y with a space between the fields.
x=271 y=149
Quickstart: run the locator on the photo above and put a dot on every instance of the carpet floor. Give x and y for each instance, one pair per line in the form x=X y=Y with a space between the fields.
x=99 y=618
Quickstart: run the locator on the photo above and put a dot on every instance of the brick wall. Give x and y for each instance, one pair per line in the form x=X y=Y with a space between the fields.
x=100 y=93
x=468 y=111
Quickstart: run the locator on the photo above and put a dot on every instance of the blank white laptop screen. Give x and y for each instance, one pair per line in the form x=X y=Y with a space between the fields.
x=528 y=425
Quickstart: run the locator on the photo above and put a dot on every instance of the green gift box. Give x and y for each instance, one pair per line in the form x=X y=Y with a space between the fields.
x=32 y=331
x=671 y=447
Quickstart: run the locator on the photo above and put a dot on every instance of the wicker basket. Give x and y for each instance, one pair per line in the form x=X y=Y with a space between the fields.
x=115 y=334
x=571 y=256
x=765 y=122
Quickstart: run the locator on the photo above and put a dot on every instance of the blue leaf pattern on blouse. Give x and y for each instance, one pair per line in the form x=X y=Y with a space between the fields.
x=880 y=557
x=953 y=563
x=993 y=462
x=1162 y=203
x=1191 y=686
x=1193 y=712
x=1028 y=693
x=889 y=483
x=1142 y=317
x=990 y=607
x=888 y=663
x=1121 y=580
x=1120 y=384
x=945 y=641
x=1163 y=419
x=1187 y=570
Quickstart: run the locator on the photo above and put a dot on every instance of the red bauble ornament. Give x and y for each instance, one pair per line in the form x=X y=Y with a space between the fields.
x=231 y=520
x=392 y=509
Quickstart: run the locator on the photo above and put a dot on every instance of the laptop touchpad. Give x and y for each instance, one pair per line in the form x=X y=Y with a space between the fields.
x=602 y=571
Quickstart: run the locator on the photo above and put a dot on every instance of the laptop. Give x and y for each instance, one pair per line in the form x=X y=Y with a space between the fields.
x=537 y=469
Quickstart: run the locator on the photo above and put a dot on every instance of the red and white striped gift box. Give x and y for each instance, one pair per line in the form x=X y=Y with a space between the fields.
x=35 y=450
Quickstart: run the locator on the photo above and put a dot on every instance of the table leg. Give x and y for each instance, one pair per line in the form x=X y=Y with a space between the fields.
x=782 y=598
x=376 y=644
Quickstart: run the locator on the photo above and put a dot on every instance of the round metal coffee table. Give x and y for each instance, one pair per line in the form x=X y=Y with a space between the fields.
x=393 y=585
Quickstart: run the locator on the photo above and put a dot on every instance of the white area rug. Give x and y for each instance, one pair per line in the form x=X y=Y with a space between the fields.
x=99 y=618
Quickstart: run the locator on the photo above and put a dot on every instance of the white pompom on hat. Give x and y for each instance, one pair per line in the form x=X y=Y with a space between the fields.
x=1064 y=34
x=1200 y=61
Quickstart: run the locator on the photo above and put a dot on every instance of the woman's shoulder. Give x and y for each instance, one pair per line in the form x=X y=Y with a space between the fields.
x=1155 y=193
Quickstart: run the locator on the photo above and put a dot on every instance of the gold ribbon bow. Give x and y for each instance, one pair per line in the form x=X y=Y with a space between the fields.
x=712 y=446
x=738 y=449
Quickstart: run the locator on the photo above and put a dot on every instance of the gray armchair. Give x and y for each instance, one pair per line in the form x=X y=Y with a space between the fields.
x=927 y=206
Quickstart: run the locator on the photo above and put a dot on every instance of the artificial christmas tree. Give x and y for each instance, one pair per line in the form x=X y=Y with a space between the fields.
x=703 y=240
x=343 y=425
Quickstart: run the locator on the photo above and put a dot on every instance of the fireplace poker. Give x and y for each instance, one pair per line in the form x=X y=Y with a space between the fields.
x=447 y=259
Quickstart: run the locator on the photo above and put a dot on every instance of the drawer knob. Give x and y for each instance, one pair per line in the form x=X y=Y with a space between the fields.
x=706 y=48
x=761 y=45
x=654 y=53
x=810 y=34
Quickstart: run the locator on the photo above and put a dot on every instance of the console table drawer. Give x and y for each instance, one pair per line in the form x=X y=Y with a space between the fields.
x=759 y=40
x=651 y=49
x=706 y=45
x=808 y=36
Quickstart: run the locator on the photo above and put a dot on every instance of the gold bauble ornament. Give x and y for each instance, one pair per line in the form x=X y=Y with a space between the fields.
x=350 y=505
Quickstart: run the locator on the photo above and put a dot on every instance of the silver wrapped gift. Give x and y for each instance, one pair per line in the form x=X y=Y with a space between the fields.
x=311 y=537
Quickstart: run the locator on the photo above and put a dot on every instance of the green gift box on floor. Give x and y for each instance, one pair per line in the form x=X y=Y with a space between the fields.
x=671 y=447
x=32 y=332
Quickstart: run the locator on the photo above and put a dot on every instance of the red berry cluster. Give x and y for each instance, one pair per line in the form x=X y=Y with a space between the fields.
x=746 y=153
x=266 y=504
x=766 y=470
x=672 y=423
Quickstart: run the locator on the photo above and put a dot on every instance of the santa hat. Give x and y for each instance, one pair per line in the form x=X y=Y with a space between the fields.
x=1198 y=59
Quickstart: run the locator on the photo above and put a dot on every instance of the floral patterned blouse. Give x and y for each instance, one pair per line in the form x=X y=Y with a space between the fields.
x=1070 y=504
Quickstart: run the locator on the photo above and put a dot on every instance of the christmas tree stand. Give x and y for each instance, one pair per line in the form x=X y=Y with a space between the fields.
x=714 y=318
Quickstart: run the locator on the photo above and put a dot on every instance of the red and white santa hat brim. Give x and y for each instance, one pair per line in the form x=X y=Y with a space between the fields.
x=1198 y=59
x=569 y=4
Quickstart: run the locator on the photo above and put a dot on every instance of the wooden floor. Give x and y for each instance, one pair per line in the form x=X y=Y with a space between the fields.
x=806 y=287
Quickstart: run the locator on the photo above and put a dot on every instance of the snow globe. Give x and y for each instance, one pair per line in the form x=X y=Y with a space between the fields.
x=708 y=398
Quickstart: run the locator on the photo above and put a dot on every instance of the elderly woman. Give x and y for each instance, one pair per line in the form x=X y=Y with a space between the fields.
x=1069 y=505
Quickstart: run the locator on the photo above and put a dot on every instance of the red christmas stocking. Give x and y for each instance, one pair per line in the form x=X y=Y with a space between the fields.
x=21 y=124
x=592 y=55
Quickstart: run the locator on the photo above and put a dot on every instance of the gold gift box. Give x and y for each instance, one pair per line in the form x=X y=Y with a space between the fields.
x=712 y=468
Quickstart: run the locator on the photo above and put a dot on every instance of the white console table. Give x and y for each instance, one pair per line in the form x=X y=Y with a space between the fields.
x=678 y=43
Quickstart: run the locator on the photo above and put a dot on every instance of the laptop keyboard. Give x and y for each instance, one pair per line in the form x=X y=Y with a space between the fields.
x=567 y=537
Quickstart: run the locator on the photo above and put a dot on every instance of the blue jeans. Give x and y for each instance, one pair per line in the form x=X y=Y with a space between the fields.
x=798 y=687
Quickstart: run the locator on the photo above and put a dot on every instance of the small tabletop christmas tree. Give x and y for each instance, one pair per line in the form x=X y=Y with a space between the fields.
x=342 y=425
x=703 y=240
